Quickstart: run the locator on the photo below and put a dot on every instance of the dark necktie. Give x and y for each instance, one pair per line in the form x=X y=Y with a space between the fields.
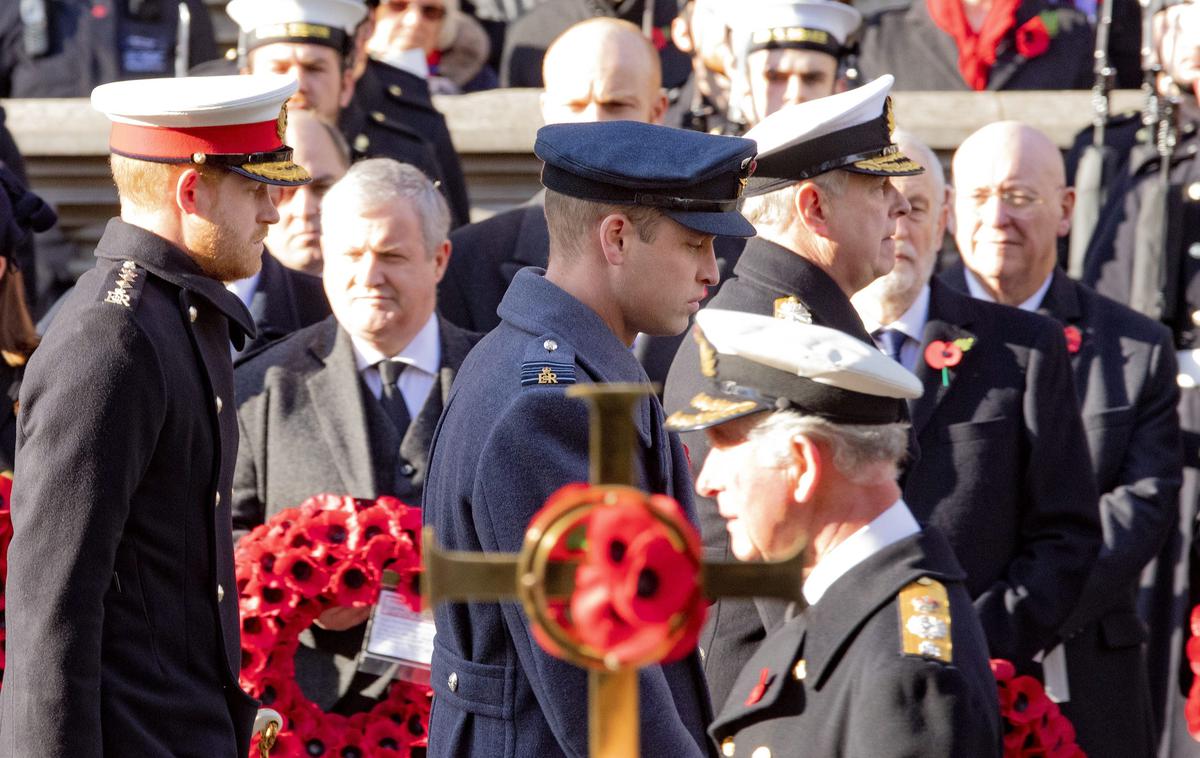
x=392 y=399
x=890 y=341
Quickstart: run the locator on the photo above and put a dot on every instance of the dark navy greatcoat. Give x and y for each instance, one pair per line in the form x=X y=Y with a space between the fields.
x=856 y=692
x=122 y=614
x=500 y=450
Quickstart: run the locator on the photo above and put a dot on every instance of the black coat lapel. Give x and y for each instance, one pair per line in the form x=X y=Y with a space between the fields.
x=947 y=322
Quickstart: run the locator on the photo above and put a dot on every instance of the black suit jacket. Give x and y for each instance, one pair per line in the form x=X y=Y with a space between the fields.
x=765 y=272
x=1125 y=377
x=122 y=613
x=283 y=302
x=1004 y=471
x=857 y=692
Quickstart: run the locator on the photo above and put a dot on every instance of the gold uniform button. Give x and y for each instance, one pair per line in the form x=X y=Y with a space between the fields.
x=361 y=143
x=761 y=752
x=727 y=747
x=1193 y=191
x=220 y=593
x=220 y=404
x=377 y=117
x=800 y=670
x=452 y=682
x=395 y=90
x=193 y=314
x=1196 y=318
x=924 y=581
x=217 y=499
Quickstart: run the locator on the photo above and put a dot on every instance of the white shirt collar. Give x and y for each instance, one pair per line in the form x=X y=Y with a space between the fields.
x=413 y=61
x=245 y=288
x=1032 y=304
x=911 y=322
x=424 y=350
x=891 y=526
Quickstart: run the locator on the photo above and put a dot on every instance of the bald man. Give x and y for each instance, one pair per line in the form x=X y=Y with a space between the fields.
x=1011 y=206
x=602 y=69
x=286 y=294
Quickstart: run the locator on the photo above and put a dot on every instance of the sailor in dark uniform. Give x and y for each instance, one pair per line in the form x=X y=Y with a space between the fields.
x=888 y=657
x=21 y=213
x=632 y=211
x=802 y=266
x=64 y=49
x=122 y=612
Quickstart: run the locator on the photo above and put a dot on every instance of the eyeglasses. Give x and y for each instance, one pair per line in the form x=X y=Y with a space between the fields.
x=1017 y=203
x=428 y=12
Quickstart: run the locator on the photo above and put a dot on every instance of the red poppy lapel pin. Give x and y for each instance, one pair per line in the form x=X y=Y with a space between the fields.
x=942 y=355
x=1033 y=37
x=1074 y=338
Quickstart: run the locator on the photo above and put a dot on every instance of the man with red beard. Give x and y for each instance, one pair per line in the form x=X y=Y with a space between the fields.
x=122 y=616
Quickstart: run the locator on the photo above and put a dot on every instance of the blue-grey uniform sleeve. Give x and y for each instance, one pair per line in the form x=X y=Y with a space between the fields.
x=539 y=445
x=1060 y=529
x=92 y=407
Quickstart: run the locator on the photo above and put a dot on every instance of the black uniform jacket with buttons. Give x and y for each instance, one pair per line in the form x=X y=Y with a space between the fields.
x=92 y=42
x=122 y=617
x=906 y=43
x=1004 y=455
x=1125 y=378
x=857 y=694
x=403 y=98
x=764 y=273
x=506 y=441
x=284 y=301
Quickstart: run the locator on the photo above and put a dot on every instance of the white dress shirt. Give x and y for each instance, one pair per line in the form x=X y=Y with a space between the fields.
x=1032 y=304
x=911 y=324
x=891 y=526
x=423 y=354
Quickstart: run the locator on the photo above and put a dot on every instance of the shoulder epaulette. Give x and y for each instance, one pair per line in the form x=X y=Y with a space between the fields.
x=925 y=620
x=127 y=285
x=546 y=362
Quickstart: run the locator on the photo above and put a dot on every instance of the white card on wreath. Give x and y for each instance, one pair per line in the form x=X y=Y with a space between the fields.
x=398 y=635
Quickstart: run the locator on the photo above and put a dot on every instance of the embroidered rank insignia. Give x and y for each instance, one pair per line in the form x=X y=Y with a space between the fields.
x=547 y=372
x=925 y=620
x=791 y=309
x=126 y=286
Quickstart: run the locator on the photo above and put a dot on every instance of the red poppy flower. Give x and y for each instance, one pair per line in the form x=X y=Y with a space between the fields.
x=942 y=355
x=659 y=580
x=384 y=736
x=1003 y=670
x=373 y=522
x=1074 y=338
x=1032 y=38
x=330 y=529
x=272 y=592
x=259 y=631
x=302 y=573
x=1029 y=700
x=1016 y=736
x=355 y=583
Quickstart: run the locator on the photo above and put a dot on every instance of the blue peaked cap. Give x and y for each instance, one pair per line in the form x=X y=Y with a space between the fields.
x=694 y=178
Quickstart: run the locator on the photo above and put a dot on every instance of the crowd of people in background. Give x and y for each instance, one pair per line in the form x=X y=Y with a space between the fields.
x=1047 y=301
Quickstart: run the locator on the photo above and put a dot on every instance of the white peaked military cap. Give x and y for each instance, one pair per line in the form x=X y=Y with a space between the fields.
x=759 y=363
x=236 y=122
x=822 y=25
x=318 y=22
x=851 y=130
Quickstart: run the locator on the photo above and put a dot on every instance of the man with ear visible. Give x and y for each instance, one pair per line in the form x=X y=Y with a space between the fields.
x=823 y=205
x=123 y=636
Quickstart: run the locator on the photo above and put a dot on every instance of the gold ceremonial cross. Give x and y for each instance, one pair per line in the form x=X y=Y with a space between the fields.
x=453 y=576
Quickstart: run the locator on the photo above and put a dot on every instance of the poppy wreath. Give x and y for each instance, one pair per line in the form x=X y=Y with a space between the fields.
x=1033 y=724
x=329 y=552
x=633 y=579
x=1191 y=709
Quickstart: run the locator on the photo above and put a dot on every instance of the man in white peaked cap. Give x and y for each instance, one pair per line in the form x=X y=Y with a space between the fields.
x=788 y=52
x=824 y=214
x=122 y=612
x=887 y=657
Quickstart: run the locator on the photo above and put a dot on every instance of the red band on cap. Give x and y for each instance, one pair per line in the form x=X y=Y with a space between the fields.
x=181 y=144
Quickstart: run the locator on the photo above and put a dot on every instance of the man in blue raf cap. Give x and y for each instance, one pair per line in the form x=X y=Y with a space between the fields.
x=632 y=210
